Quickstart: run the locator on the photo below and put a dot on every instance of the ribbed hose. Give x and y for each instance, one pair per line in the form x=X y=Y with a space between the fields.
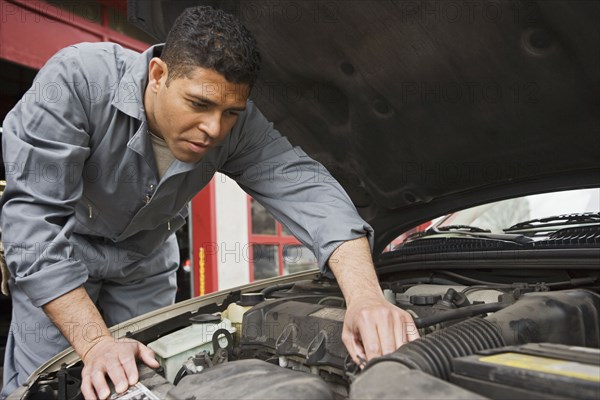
x=433 y=353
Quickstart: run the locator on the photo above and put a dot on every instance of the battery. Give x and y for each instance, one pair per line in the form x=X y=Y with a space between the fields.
x=532 y=371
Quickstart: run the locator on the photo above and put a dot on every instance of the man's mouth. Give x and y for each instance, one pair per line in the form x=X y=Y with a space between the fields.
x=197 y=147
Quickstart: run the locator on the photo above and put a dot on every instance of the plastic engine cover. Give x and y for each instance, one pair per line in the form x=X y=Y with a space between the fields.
x=292 y=328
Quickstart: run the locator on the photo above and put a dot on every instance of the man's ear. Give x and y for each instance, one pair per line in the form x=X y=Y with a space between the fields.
x=157 y=74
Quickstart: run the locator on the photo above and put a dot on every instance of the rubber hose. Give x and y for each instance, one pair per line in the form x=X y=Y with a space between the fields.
x=274 y=288
x=180 y=375
x=434 y=352
x=468 y=311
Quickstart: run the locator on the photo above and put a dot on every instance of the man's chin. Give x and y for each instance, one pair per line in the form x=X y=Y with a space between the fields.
x=189 y=158
x=190 y=153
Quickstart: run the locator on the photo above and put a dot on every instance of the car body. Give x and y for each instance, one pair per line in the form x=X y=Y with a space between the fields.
x=419 y=109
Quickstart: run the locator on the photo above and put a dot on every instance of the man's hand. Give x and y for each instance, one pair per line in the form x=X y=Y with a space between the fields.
x=78 y=319
x=117 y=358
x=372 y=326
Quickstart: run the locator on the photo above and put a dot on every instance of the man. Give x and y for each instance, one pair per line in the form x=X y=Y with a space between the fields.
x=102 y=158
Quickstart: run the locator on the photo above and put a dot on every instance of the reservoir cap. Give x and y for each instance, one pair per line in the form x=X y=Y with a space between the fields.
x=251 y=299
x=205 y=319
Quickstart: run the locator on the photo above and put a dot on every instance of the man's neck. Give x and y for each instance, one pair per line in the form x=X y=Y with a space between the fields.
x=149 y=111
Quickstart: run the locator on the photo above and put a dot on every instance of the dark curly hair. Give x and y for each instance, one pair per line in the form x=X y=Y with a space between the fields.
x=212 y=39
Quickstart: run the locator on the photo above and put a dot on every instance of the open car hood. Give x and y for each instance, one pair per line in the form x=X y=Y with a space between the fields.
x=420 y=108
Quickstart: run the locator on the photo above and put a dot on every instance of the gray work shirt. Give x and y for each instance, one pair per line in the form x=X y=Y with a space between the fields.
x=83 y=198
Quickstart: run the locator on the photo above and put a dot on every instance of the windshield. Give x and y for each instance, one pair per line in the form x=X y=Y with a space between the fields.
x=504 y=214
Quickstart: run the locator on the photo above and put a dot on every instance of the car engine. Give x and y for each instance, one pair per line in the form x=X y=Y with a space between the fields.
x=503 y=340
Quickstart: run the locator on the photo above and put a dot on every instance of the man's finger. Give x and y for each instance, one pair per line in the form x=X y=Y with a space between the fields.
x=130 y=368
x=400 y=331
x=86 y=387
x=385 y=326
x=353 y=345
x=412 y=333
x=360 y=358
x=99 y=384
x=117 y=376
x=370 y=340
x=147 y=356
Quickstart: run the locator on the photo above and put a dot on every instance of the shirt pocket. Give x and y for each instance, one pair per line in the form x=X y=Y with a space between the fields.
x=91 y=221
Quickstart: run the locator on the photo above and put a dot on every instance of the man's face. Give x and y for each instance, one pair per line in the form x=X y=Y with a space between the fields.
x=194 y=113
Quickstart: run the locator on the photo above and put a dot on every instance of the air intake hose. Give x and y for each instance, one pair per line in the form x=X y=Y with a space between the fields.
x=568 y=317
x=434 y=352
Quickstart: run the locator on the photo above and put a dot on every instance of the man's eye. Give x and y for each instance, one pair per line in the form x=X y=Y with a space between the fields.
x=234 y=113
x=199 y=105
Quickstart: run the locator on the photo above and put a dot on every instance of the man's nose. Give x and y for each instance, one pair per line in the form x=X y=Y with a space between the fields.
x=211 y=125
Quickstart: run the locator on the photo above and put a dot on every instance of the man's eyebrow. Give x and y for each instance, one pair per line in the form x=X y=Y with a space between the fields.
x=212 y=103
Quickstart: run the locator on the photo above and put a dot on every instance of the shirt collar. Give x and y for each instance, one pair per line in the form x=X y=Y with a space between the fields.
x=129 y=96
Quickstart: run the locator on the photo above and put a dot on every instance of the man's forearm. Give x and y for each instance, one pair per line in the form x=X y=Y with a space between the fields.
x=78 y=319
x=372 y=325
x=353 y=268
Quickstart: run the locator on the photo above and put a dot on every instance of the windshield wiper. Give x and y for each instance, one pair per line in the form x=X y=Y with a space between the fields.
x=557 y=220
x=467 y=228
x=470 y=232
x=445 y=229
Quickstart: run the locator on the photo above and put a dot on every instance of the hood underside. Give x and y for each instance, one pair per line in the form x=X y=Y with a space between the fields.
x=422 y=107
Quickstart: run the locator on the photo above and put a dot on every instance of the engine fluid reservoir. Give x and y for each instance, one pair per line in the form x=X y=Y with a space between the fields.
x=174 y=349
x=235 y=313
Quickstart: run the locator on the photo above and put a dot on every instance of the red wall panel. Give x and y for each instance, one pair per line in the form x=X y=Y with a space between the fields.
x=204 y=249
x=32 y=31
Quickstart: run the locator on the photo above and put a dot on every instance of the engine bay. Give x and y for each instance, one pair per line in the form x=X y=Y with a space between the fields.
x=479 y=339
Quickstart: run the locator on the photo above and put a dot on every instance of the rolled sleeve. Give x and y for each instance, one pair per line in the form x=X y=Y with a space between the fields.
x=296 y=189
x=45 y=144
x=53 y=281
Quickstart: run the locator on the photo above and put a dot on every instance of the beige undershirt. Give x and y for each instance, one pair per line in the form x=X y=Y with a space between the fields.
x=162 y=154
